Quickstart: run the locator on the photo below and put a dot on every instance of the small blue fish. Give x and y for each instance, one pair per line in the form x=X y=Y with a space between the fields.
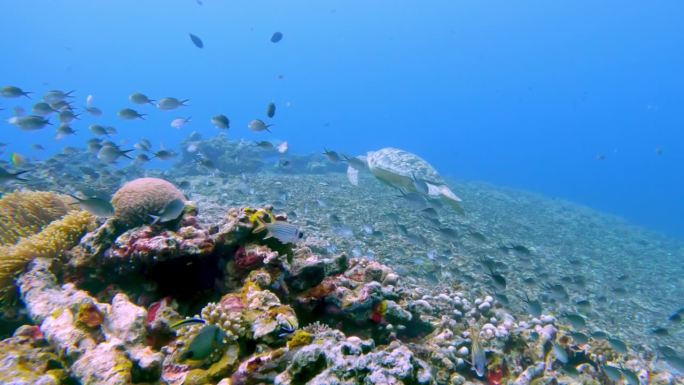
x=613 y=373
x=560 y=353
x=196 y=41
x=276 y=37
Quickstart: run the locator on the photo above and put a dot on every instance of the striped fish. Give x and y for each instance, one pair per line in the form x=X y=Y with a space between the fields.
x=284 y=232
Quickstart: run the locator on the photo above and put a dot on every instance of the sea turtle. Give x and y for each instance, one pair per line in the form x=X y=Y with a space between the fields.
x=408 y=172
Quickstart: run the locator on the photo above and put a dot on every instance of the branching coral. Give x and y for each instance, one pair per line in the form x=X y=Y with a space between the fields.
x=58 y=237
x=25 y=213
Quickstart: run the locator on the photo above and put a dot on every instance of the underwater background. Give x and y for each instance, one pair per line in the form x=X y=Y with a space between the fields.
x=525 y=94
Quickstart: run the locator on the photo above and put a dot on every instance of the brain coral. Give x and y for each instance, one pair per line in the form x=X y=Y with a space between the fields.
x=137 y=199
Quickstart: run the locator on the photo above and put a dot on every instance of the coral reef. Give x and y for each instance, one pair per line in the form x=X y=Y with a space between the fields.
x=58 y=237
x=24 y=213
x=110 y=350
x=25 y=358
x=144 y=245
x=136 y=200
x=216 y=303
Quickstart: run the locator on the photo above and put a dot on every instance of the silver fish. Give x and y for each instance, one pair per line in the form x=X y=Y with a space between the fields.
x=130 y=114
x=630 y=376
x=42 y=109
x=67 y=116
x=576 y=320
x=96 y=206
x=265 y=145
x=142 y=158
x=612 y=372
x=55 y=96
x=179 y=123
x=579 y=338
x=258 y=125
x=139 y=98
x=221 y=122
x=143 y=145
x=283 y=231
x=13 y=92
x=111 y=154
x=165 y=154
x=98 y=130
x=170 y=212
x=29 y=123
x=560 y=353
x=534 y=307
x=170 y=103
x=617 y=345
x=94 y=111
x=331 y=155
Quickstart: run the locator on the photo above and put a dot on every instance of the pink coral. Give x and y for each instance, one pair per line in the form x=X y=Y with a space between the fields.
x=144 y=245
x=137 y=199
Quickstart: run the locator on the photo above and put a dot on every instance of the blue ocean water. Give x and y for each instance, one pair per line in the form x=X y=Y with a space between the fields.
x=525 y=94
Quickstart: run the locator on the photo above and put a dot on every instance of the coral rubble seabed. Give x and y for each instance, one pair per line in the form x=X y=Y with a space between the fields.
x=193 y=303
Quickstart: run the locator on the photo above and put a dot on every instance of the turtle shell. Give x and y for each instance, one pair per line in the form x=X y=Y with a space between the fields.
x=399 y=168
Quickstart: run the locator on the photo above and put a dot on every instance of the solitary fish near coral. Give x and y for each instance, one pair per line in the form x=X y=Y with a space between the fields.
x=170 y=212
x=560 y=353
x=96 y=206
x=282 y=231
x=203 y=343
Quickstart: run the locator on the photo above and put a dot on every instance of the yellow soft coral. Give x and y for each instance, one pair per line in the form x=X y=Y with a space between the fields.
x=25 y=213
x=58 y=237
